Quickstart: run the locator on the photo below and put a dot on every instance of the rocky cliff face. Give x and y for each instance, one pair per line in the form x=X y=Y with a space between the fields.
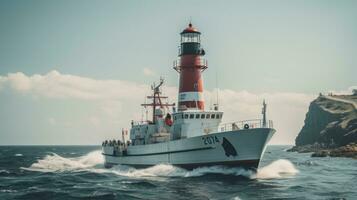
x=330 y=121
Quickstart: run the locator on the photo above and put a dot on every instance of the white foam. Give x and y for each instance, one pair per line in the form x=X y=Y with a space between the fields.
x=93 y=162
x=54 y=162
x=18 y=154
x=4 y=171
x=8 y=191
x=160 y=170
x=219 y=170
x=166 y=170
x=278 y=169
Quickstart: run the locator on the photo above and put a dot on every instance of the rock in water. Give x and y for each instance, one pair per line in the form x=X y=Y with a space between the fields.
x=321 y=153
x=349 y=150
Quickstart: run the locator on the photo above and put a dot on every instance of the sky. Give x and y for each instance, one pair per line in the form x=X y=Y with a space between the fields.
x=75 y=72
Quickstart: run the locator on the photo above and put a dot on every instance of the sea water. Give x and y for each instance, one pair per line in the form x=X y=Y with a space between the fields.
x=77 y=172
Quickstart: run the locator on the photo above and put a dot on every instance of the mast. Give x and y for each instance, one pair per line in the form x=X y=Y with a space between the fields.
x=264 y=110
x=157 y=99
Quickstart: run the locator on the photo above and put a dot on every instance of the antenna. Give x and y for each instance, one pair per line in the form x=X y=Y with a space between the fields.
x=142 y=114
x=217 y=94
x=217 y=87
x=264 y=110
x=146 y=111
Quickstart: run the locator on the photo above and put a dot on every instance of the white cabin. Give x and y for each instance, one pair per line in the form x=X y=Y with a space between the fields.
x=191 y=123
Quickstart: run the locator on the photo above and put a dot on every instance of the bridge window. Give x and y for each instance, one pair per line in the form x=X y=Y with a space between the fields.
x=207 y=116
x=218 y=116
x=197 y=116
x=212 y=116
x=186 y=116
x=203 y=116
x=192 y=116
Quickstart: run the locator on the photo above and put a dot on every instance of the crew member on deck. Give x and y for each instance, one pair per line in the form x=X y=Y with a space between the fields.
x=168 y=120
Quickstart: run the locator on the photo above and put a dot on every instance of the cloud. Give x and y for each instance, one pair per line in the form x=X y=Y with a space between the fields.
x=116 y=102
x=57 y=85
x=148 y=72
x=287 y=110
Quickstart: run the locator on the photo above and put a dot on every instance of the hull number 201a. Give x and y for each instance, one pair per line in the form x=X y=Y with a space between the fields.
x=210 y=140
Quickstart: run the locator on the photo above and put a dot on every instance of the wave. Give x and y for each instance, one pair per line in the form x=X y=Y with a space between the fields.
x=4 y=171
x=18 y=155
x=166 y=170
x=57 y=163
x=7 y=191
x=277 y=169
x=94 y=161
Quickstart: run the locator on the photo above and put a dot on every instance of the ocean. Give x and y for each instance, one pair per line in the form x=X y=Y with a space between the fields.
x=77 y=172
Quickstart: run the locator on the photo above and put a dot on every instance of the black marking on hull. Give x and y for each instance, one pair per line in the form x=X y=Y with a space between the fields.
x=228 y=148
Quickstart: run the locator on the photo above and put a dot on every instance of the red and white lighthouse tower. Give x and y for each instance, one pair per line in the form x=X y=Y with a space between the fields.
x=190 y=66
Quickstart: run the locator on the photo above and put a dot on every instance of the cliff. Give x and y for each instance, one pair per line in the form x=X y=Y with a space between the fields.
x=331 y=120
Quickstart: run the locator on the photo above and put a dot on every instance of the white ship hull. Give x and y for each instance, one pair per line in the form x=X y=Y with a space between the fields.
x=239 y=148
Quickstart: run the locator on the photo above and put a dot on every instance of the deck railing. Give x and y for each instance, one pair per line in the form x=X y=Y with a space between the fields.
x=230 y=126
x=233 y=126
x=246 y=124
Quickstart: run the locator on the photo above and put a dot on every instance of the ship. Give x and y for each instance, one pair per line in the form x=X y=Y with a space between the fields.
x=188 y=135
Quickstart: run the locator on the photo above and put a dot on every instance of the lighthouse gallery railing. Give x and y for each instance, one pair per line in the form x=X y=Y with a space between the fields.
x=200 y=62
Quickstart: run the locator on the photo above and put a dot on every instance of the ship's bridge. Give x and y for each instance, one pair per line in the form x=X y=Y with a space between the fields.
x=191 y=123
